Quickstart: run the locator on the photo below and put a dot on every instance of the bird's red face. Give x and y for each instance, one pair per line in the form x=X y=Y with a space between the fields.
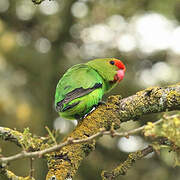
x=120 y=69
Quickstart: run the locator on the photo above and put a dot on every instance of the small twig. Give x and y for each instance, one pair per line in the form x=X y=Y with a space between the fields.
x=36 y=154
x=31 y=168
x=134 y=131
x=69 y=141
x=51 y=135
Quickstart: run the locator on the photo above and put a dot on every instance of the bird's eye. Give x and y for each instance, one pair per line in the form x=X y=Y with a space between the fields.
x=111 y=62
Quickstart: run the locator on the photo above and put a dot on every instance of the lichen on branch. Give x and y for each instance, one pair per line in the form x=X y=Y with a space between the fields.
x=123 y=167
x=169 y=129
x=11 y=176
x=8 y=134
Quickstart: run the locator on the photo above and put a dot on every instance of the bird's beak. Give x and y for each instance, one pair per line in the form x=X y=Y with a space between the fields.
x=120 y=75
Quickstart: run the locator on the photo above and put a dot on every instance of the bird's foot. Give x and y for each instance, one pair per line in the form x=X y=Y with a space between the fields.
x=93 y=108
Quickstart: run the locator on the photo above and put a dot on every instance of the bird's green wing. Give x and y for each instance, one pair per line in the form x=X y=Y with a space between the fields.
x=78 y=81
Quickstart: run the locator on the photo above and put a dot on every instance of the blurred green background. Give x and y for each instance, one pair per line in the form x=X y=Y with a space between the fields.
x=39 y=42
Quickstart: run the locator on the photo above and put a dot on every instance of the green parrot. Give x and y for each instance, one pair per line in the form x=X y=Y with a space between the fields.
x=82 y=87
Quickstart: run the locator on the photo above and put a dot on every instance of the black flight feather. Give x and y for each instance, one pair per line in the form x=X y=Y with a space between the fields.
x=76 y=93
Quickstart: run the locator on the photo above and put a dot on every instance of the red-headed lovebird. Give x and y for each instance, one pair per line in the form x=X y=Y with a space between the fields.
x=82 y=86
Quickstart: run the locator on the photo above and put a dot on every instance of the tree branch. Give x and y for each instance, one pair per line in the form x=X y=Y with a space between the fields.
x=128 y=163
x=65 y=157
x=24 y=140
x=64 y=163
x=122 y=168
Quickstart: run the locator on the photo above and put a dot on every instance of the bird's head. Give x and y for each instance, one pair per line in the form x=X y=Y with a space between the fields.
x=112 y=70
x=117 y=66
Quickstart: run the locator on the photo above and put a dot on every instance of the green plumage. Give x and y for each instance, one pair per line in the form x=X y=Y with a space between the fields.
x=83 y=86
